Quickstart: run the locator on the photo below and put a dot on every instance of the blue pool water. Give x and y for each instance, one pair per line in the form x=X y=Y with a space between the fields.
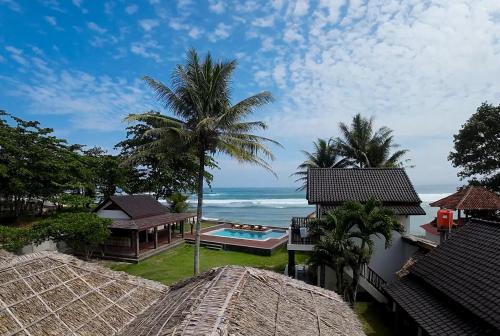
x=246 y=234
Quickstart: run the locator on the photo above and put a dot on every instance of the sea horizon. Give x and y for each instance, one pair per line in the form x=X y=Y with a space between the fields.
x=275 y=206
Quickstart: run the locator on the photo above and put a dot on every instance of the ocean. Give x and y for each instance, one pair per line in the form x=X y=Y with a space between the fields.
x=276 y=206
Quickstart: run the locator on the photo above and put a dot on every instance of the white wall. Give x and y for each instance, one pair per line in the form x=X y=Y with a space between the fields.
x=114 y=214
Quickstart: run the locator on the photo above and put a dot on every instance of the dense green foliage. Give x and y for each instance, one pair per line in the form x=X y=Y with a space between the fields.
x=35 y=165
x=325 y=155
x=345 y=239
x=173 y=168
x=82 y=231
x=477 y=147
x=177 y=202
x=206 y=122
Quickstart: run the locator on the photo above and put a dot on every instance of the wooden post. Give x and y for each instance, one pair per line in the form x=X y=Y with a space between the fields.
x=155 y=230
x=169 y=233
x=135 y=242
x=182 y=228
x=147 y=235
x=291 y=263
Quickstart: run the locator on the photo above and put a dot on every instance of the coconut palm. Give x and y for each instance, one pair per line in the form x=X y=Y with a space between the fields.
x=366 y=147
x=325 y=155
x=367 y=221
x=206 y=121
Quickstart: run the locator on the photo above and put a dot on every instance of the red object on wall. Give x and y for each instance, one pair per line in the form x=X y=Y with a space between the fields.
x=444 y=219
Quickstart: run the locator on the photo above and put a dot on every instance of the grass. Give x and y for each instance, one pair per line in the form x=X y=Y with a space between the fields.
x=373 y=319
x=176 y=263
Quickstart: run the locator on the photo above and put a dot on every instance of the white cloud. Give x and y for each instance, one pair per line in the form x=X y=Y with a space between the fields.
x=94 y=27
x=216 y=6
x=195 y=32
x=148 y=24
x=87 y=101
x=266 y=21
x=51 y=20
x=220 y=32
x=146 y=49
x=77 y=3
x=13 y=5
x=2 y=59
x=301 y=7
x=131 y=9
x=17 y=55
x=421 y=69
x=178 y=25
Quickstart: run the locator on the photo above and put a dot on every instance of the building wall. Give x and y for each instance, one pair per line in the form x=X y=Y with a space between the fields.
x=114 y=214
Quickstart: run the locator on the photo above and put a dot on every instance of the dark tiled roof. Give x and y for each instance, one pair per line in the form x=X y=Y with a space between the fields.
x=150 y=222
x=397 y=209
x=460 y=275
x=435 y=314
x=137 y=206
x=470 y=198
x=338 y=185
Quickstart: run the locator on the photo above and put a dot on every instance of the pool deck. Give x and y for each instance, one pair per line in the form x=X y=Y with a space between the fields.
x=264 y=247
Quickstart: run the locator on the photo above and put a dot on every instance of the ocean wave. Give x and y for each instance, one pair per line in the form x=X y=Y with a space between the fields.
x=267 y=202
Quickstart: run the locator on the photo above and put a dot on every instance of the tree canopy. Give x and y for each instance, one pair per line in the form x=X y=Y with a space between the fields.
x=477 y=147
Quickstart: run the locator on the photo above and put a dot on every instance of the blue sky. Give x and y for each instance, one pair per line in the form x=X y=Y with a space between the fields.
x=419 y=67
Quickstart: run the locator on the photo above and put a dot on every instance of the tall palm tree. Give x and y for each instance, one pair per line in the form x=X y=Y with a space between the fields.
x=367 y=147
x=206 y=121
x=367 y=221
x=325 y=155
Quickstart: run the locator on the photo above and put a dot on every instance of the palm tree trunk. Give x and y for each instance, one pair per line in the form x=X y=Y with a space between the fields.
x=199 y=212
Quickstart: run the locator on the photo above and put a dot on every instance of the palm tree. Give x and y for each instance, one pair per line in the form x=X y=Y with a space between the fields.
x=333 y=248
x=206 y=121
x=367 y=220
x=325 y=155
x=366 y=147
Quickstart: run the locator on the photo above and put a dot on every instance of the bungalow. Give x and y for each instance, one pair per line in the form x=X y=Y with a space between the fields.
x=473 y=201
x=141 y=227
x=329 y=188
x=56 y=294
x=454 y=289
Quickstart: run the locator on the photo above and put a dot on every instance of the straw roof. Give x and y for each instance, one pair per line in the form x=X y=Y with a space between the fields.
x=54 y=294
x=246 y=301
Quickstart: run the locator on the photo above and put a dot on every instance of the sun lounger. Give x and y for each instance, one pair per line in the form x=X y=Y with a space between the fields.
x=246 y=227
x=236 y=226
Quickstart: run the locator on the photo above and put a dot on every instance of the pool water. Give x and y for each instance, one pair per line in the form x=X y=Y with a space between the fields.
x=247 y=234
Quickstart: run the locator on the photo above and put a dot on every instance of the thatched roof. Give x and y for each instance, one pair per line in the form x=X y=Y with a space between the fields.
x=49 y=293
x=246 y=301
x=55 y=294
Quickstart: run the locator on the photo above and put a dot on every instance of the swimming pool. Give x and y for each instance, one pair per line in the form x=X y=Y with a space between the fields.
x=248 y=234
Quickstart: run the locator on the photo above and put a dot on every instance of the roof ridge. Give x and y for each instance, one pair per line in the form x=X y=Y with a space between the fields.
x=464 y=197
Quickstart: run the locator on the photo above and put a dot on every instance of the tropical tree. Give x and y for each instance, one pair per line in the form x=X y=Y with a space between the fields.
x=334 y=247
x=177 y=202
x=325 y=155
x=346 y=239
x=477 y=147
x=206 y=122
x=367 y=220
x=366 y=147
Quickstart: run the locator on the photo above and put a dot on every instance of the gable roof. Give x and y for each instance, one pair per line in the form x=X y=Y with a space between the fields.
x=245 y=301
x=339 y=185
x=460 y=278
x=136 y=206
x=470 y=198
x=151 y=221
x=70 y=297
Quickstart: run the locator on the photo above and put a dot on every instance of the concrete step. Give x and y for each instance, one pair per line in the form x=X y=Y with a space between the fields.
x=209 y=245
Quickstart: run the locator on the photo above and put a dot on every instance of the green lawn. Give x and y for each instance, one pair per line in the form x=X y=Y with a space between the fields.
x=177 y=263
x=373 y=319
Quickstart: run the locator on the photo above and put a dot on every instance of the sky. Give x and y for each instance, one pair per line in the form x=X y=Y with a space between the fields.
x=419 y=67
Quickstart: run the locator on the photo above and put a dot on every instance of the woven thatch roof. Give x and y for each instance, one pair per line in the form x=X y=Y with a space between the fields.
x=246 y=301
x=52 y=294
